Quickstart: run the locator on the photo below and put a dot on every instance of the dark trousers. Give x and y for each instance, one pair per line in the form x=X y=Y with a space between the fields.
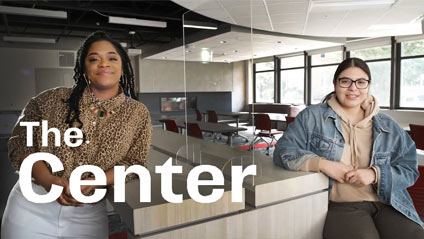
x=371 y=220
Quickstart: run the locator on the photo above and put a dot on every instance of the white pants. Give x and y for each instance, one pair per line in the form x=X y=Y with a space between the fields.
x=23 y=219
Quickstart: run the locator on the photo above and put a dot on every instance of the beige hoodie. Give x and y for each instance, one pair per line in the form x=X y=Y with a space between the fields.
x=357 y=151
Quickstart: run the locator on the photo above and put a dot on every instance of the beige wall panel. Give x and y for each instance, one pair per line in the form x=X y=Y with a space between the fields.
x=239 y=86
x=168 y=76
x=296 y=219
x=406 y=117
x=159 y=214
x=17 y=70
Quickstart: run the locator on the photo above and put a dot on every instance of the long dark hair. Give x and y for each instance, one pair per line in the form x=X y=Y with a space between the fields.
x=126 y=81
x=350 y=62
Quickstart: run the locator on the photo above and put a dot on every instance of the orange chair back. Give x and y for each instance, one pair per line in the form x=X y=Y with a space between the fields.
x=212 y=117
x=193 y=130
x=289 y=119
x=171 y=125
x=417 y=134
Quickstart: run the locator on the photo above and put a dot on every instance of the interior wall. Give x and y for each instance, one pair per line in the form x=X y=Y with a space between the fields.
x=406 y=117
x=17 y=69
x=168 y=76
x=239 y=86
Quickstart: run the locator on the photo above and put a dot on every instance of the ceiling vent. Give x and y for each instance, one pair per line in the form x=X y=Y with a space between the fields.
x=67 y=59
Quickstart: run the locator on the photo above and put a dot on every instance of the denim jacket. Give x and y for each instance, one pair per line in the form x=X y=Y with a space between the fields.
x=317 y=131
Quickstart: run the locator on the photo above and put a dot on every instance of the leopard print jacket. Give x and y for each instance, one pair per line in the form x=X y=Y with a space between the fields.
x=121 y=137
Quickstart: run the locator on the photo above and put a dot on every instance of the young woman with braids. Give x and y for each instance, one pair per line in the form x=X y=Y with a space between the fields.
x=369 y=159
x=116 y=129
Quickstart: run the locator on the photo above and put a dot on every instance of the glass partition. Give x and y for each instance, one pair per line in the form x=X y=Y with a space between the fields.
x=217 y=61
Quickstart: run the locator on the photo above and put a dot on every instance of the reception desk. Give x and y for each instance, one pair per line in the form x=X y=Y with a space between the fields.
x=277 y=203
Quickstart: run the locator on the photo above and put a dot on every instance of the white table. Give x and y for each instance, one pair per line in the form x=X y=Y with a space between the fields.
x=420 y=157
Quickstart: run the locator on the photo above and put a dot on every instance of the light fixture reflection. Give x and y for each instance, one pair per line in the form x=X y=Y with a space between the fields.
x=206 y=55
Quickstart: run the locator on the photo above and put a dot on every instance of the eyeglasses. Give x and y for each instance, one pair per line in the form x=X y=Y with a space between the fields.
x=345 y=82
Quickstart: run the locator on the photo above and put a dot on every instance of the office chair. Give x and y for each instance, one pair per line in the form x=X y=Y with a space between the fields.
x=289 y=119
x=193 y=130
x=198 y=115
x=416 y=192
x=212 y=116
x=417 y=134
x=263 y=124
x=171 y=126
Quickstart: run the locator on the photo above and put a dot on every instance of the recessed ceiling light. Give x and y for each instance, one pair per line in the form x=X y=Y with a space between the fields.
x=200 y=25
x=33 y=12
x=29 y=39
x=164 y=57
x=222 y=42
x=136 y=22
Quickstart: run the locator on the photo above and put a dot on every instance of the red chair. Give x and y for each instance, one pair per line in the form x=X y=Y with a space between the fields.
x=198 y=115
x=417 y=192
x=212 y=116
x=289 y=119
x=263 y=124
x=417 y=134
x=193 y=130
x=171 y=125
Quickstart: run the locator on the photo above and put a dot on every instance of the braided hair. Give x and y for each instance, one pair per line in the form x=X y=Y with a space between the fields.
x=126 y=81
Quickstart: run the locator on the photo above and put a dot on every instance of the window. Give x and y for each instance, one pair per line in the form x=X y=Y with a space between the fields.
x=322 y=82
x=412 y=74
x=292 y=77
x=372 y=53
x=322 y=73
x=264 y=82
x=378 y=60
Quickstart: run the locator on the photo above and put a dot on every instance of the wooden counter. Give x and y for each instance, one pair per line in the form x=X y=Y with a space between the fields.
x=143 y=218
x=278 y=203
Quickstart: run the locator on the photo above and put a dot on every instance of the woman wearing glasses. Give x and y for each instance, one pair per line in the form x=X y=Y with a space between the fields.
x=369 y=158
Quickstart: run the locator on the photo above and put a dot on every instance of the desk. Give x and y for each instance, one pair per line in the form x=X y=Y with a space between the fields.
x=273 y=116
x=235 y=115
x=280 y=203
x=215 y=128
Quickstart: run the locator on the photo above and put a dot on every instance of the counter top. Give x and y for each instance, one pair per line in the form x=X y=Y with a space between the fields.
x=272 y=183
x=161 y=214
